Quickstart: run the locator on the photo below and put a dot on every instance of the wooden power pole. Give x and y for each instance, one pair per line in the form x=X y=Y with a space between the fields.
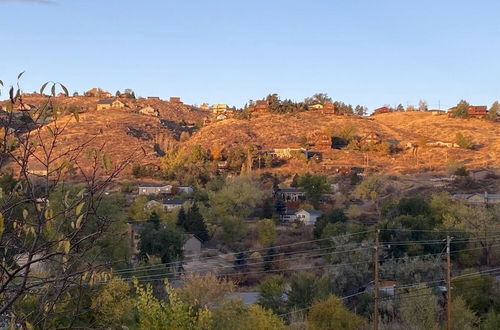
x=377 y=282
x=448 y=284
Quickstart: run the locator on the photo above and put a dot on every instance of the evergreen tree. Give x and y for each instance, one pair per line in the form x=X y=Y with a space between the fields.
x=195 y=224
x=182 y=219
x=461 y=109
x=267 y=209
x=494 y=111
x=155 y=220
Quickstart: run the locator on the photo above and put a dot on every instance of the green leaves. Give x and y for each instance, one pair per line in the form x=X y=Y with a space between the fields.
x=43 y=87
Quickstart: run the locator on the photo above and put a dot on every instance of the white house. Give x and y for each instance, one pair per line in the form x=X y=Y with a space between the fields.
x=308 y=217
x=153 y=189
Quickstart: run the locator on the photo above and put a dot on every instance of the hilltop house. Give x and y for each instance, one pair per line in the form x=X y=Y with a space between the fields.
x=109 y=103
x=323 y=141
x=287 y=217
x=259 y=106
x=308 y=217
x=477 y=111
x=218 y=109
x=380 y=110
x=478 y=199
x=317 y=106
x=154 y=189
x=371 y=138
x=175 y=100
x=149 y=111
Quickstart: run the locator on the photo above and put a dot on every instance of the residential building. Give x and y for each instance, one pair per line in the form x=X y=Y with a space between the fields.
x=109 y=103
x=149 y=111
x=308 y=217
x=478 y=198
x=371 y=138
x=290 y=194
x=477 y=111
x=154 y=189
x=381 y=110
x=170 y=204
x=175 y=100
x=218 y=109
x=185 y=190
x=287 y=217
x=192 y=246
x=259 y=106
x=317 y=106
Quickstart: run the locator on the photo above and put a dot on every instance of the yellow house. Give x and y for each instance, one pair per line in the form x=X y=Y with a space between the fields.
x=109 y=103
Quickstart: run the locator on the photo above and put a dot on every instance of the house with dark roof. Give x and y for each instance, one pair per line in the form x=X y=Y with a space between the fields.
x=154 y=189
x=103 y=104
x=170 y=204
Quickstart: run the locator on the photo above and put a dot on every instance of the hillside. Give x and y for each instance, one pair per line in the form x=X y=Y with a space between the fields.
x=125 y=130
x=280 y=131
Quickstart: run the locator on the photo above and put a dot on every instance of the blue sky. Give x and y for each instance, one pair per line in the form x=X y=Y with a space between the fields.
x=360 y=52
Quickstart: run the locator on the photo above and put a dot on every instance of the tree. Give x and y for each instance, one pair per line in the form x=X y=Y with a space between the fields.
x=425 y=302
x=182 y=219
x=112 y=305
x=360 y=110
x=491 y=321
x=234 y=315
x=318 y=98
x=400 y=108
x=266 y=229
x=162 y=241
x=204 y=291
x=332 y=314
x=331 y=217
x=463 y=318
x=461 y=110
x=315 y=185
x=117 y=94
x=259 y=318
x=65 y=242
x=494 y=111
x=272 y=294
x=229 y=206
x=371 y=188
x=175 y=314
x=305 y=288
x=195 y=224
x=422 y=105
x=477 y=291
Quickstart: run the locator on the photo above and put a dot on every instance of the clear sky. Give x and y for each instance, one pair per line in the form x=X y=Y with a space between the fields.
x=362 y=52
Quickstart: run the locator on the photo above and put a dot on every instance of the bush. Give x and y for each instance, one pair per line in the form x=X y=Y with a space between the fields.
x=464 y=141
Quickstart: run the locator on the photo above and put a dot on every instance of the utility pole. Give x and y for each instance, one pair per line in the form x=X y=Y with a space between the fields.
x=377 y=281
x=448 y=283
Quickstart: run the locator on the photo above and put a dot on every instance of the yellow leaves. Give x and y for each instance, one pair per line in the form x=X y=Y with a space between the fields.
x=65 y=246
x=78 y=209
x=25 y=214
x=106 y=161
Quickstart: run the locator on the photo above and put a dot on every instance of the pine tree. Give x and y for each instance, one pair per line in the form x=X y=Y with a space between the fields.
x=155 y=220
x=268 y=259
x=195 y=224
x=240 y=261
x=182 y=219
